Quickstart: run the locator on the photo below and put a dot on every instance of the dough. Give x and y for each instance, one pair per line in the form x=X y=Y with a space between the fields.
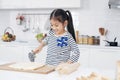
x=66 y=68
x=26 y=65
x=93 y=76
x=118 y=70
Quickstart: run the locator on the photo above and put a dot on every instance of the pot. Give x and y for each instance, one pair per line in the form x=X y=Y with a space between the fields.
x=112 y=43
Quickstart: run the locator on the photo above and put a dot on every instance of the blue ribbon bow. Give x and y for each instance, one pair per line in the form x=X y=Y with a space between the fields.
x=62 y=41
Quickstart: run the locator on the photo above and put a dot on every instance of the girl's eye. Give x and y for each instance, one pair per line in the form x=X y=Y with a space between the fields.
x=56 y=25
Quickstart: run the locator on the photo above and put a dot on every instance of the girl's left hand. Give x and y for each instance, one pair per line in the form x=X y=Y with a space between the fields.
x=69 y=61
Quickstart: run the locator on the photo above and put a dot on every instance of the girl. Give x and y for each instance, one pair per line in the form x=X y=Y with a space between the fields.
x=61 y=42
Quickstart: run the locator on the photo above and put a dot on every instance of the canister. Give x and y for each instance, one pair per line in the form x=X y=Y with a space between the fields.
x=91 y=40
x=97 y=40
x=80 y=39
x=85 y=39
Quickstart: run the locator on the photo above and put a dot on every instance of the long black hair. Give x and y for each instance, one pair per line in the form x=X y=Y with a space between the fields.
x=62 y=15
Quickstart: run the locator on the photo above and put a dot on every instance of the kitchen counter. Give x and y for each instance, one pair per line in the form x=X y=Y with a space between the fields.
x=20 y=43
x=100 y=47
x=35 y=43
x=82 y=71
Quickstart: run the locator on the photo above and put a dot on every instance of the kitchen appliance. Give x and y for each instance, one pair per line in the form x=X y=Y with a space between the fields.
x=114 y=43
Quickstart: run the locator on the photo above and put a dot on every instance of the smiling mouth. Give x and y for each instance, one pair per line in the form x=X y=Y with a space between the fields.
x=55 y=30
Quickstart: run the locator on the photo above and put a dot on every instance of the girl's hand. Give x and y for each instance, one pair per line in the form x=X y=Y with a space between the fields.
x=35 y=51
x=69 y=61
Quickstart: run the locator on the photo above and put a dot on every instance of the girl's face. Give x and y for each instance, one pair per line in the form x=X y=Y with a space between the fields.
x=57 y=26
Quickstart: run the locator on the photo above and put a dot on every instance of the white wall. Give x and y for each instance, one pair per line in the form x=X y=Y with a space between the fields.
x=92 y=15
x=95 y=14
x=4 y=20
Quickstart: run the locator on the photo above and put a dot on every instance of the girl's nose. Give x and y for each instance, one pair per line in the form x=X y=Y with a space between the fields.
x=53 y=27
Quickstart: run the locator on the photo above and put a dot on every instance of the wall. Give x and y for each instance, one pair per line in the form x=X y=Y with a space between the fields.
x=95 y=14
x=92 y=15
x=33 y=16
x=4 y=20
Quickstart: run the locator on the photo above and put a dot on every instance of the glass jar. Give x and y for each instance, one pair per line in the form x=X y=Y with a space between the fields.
x=97 y=40
x=91 y=40
x=85 y=39
x=80 y=39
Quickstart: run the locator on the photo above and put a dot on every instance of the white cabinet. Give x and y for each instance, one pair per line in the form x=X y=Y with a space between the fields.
x=15 y=4
x=99 y=57
x=84 y=57
x=104 y=58
x=20 y=53
x=11 y=53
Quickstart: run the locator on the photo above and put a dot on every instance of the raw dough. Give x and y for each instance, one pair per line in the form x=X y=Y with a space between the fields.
x=93 y=76
x=66 y=68
x=26 y=65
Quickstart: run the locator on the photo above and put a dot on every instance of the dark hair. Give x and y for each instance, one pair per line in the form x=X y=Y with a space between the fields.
x=61 y=15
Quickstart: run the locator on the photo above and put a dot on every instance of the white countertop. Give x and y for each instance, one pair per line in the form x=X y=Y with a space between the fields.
x=19 y=43
x=98 y=46
x=35 y=43
x=12 y=75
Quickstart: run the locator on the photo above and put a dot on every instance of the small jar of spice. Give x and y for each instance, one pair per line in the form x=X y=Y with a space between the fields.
x=91 y=40
x=85 y=39
x=97 y=40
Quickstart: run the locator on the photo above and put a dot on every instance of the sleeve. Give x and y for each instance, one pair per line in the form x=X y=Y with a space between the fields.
x=75 y=53
x=45 y=40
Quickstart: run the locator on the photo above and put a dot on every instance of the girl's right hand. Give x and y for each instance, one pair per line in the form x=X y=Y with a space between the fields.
x=35 y=51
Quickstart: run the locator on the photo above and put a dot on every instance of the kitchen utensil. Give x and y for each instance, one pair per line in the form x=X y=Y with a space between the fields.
x=102 y=31
x=31 y=56
x=27 y=24
x=102 y=42
x=114 y=39
x=112 y=43
x=106 y=31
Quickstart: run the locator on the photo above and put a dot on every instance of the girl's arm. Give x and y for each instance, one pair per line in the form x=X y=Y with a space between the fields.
x=74 y=51
x=39 y=48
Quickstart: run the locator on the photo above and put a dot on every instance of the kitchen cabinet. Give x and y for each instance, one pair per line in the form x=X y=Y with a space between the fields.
x=24 y=4
x=11 y=53
x=91 y=57
x=104 y=58
x=99 y=57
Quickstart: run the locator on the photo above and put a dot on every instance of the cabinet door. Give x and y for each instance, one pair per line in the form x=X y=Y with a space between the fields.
x=6 y=4
x=10 y=4
x=11 y=53
x=40 y=57
x=104 y=58
x=84 y=57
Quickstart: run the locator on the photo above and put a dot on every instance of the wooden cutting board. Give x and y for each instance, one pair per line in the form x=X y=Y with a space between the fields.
x=118 y=70
x=42 y=70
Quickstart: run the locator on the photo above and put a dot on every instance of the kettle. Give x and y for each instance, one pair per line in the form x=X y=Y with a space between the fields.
x=114 y=43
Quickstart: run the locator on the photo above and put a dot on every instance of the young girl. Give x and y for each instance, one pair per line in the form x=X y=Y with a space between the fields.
x=61 y=42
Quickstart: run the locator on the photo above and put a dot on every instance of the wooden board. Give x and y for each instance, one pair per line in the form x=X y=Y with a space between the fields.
x=42 y=70
x=118 y=70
